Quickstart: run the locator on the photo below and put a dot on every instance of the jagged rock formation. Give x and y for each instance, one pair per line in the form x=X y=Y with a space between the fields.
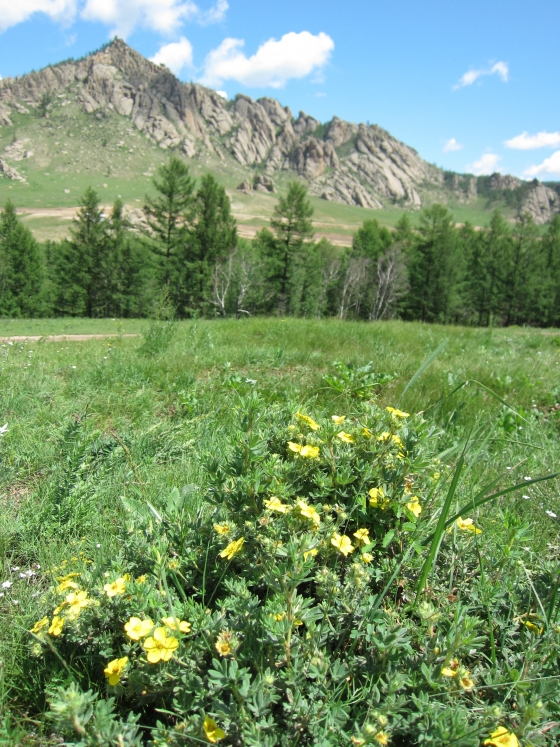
x=344 y=162
x=535 y=198
x=8 y=172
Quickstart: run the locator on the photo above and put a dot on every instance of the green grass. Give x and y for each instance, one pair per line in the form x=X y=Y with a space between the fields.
x=92 y=422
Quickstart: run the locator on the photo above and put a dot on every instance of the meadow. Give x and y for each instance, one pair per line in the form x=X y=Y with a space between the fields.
x=292 y=562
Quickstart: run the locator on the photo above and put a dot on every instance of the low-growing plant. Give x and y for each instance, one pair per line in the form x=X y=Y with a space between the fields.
x=323 y=593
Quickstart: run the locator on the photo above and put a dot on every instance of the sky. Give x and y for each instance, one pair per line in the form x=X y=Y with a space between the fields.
x=472 y=86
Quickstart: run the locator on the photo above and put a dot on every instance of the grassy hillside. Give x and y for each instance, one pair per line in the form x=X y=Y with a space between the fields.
x=72 y=150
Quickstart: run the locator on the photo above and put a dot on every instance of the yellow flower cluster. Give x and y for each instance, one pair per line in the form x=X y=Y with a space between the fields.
x=307 y=452
x=72 y=606
x=310 y=513
x=308 y=421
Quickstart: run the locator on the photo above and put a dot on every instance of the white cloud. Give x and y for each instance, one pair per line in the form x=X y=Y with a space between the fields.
x=548 y=166
x=12 y=13
x=124 y=16
x=175 y=56
x=275 y=62
x=488 y=164
x=452 y=145
x=530 y=142
x=499 y=68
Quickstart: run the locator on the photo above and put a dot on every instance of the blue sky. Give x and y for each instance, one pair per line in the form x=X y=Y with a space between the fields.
x=472 y=86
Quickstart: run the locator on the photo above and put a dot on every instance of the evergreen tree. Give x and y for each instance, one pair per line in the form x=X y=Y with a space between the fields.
x=212 y=238
x=522 y=271
x=169 y=216
x=88 y=257
x=370 y=242
x=292 y=225
x=21 y=268
x=434 y=268
x=551 y=280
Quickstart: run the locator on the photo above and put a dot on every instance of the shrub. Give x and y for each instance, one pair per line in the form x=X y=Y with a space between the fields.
x=287 y=609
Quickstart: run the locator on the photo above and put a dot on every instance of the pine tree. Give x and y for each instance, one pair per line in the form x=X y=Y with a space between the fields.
x=21 y=268
x=434 y=268
x=212 y=238
x=292 y=225
x=522 y=271
x=551 y=279
x=169 y=216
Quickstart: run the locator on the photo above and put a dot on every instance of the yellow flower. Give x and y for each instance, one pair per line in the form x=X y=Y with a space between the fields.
x=338 y=419
x=308 y=421
x=212 y=730
x=141 y=579
x=342 y=543
x=367 y=433
x=232 y=549
x=467 y=525
x=222 y=528
x=222 y=644
x=40 y=625
x=448 y=672
x=362 y=535
x=275 y=504
x=377 y=498
x=397 y=413
x=184 y=626
x=467 y=683
x=160 y=646
x=136 y=628
x=382 y=738
x=533 y=628
x=279 y=616
x=367 y=557
x=127 y=577
x=346 y=437
x=66 y=584
x=173 y=564
x=502 y=738
x=308 y=452
x=68 y=576
x=117 y=587
x=414 y=506
x=76 y=601
x=312 y=553
x=56 y=626
x=114 y=669
x=309 y=512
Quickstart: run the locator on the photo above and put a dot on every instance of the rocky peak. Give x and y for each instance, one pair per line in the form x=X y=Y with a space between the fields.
x=356 y=164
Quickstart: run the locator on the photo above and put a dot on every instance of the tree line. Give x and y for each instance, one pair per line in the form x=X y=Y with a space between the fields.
x=187 y=248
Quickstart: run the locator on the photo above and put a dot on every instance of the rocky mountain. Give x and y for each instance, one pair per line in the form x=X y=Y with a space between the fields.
x=343 y=162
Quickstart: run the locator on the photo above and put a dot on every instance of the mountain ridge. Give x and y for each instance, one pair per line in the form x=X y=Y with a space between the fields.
x=353 y=164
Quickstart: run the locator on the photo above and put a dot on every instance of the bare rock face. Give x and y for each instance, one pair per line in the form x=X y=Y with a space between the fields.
x=5 y=120
x=542 y=203
x=309 y=159
x=18 y=150
x=263 y=183
x=9 y=173
x=498 y=181
x=246 y=187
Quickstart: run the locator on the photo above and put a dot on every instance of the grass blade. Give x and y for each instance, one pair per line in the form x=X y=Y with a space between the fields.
x=440 y=528
x=423 y=367
x=475 y=503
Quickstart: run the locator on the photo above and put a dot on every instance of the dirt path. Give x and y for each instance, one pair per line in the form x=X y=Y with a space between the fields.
x=59 y=338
